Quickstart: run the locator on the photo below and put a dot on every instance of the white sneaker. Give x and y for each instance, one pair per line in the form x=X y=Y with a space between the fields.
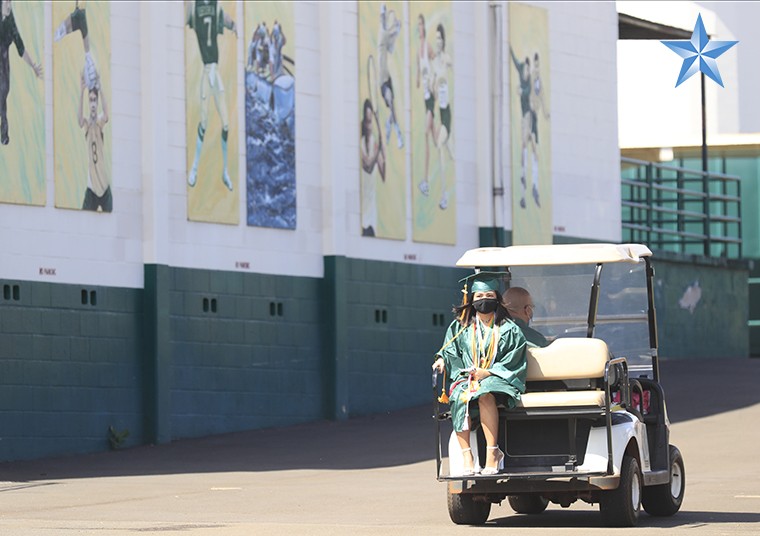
x=400 y=142
x=193 y=177
x=444 y=201
x=226 y=180
x=424 y=188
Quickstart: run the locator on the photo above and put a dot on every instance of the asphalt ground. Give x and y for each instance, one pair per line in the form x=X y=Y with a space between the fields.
x=375 y=475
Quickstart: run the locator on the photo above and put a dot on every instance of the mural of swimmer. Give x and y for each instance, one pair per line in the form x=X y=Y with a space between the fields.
x=270 y=75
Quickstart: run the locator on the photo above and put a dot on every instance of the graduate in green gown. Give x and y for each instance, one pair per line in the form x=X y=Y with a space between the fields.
x=484 y=357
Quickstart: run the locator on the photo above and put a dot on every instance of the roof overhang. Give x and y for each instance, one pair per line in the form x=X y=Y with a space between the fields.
x=553 y=255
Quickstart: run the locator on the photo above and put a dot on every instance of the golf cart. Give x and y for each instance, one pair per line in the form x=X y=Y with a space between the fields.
x=592 y=424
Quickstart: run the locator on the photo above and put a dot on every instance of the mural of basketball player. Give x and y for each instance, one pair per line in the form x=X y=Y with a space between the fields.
x=208 y=20
x=9 y=34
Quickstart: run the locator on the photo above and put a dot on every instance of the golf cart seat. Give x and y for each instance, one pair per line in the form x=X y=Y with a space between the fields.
x=568 y=372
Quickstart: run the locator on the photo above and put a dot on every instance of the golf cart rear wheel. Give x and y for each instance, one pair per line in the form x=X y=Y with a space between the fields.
x=528 y=504
x=620 y=507
x=465 y=510
x=666 y=499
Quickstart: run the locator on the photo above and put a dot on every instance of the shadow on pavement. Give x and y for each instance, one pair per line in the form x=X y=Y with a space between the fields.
x=385 y=440
x=691 y=386
x=554 y=518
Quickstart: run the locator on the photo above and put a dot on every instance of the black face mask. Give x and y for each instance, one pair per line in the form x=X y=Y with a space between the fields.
x=485 y=305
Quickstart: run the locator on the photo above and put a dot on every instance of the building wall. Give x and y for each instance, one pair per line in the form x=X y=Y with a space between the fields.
x=245 y=351
x=70 y=367
x=205 y=328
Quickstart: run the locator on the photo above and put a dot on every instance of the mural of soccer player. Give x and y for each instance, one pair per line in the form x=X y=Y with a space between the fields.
x=531 y=128
x=208 y=20
x=270 y=81
x=383 y=84
x=98 y=194
x=9 y=34
x=95 y=193
x=390 y=27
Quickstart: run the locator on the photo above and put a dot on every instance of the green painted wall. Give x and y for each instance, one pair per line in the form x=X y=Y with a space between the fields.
x=397 y=315
x=245 y=351
x=69 y=368
x=202 y=352
x=716 y=327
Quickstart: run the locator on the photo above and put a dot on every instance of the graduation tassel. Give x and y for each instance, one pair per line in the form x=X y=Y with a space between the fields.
x=464 y=302
x=444 y=398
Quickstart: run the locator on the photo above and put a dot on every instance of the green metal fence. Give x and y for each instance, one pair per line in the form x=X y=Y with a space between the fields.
x=681 y=210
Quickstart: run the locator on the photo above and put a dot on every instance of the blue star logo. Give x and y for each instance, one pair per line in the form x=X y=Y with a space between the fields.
x=699 y=54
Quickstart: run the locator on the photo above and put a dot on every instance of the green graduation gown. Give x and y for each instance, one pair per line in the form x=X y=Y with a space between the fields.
x=508 y=369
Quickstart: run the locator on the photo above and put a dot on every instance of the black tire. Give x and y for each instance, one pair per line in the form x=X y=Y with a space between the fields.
x=621 y=507
x=465 y=510
x=528 y=504
x=665 y=499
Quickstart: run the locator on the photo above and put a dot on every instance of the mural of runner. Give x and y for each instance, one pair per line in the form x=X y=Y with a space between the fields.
x=432 y=132
x=270 y=78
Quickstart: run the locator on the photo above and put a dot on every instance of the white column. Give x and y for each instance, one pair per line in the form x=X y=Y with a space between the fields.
x=153 y=130
x=332 y=108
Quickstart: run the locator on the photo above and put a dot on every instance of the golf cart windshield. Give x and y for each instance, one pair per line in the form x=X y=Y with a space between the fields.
x=562 y=297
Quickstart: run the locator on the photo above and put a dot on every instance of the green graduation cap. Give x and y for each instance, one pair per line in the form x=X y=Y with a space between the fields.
x=482 y=281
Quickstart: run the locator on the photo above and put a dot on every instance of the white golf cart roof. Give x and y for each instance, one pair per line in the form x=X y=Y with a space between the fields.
x=553 y=255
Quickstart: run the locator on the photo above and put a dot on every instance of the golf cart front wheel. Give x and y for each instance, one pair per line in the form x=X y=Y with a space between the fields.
x=528 y=504
x=665 y=499
x=620 y=507
x=465 y=510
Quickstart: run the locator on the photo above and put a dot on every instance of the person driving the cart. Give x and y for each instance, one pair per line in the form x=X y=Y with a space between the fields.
x=484 y=356
x=520 y=306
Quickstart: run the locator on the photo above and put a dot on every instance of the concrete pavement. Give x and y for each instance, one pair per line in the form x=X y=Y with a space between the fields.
x=373 y=475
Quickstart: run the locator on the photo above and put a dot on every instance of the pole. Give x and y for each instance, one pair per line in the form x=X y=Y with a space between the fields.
x=705 y=176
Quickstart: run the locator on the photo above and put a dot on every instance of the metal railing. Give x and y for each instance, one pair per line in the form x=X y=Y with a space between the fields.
x=682 y=210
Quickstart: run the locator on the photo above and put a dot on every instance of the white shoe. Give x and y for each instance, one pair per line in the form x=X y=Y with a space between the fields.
x=499 y=456
x=444 y=201
x=400 y=142
x=226 y=180
x=425 y=188
x=193 y=177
